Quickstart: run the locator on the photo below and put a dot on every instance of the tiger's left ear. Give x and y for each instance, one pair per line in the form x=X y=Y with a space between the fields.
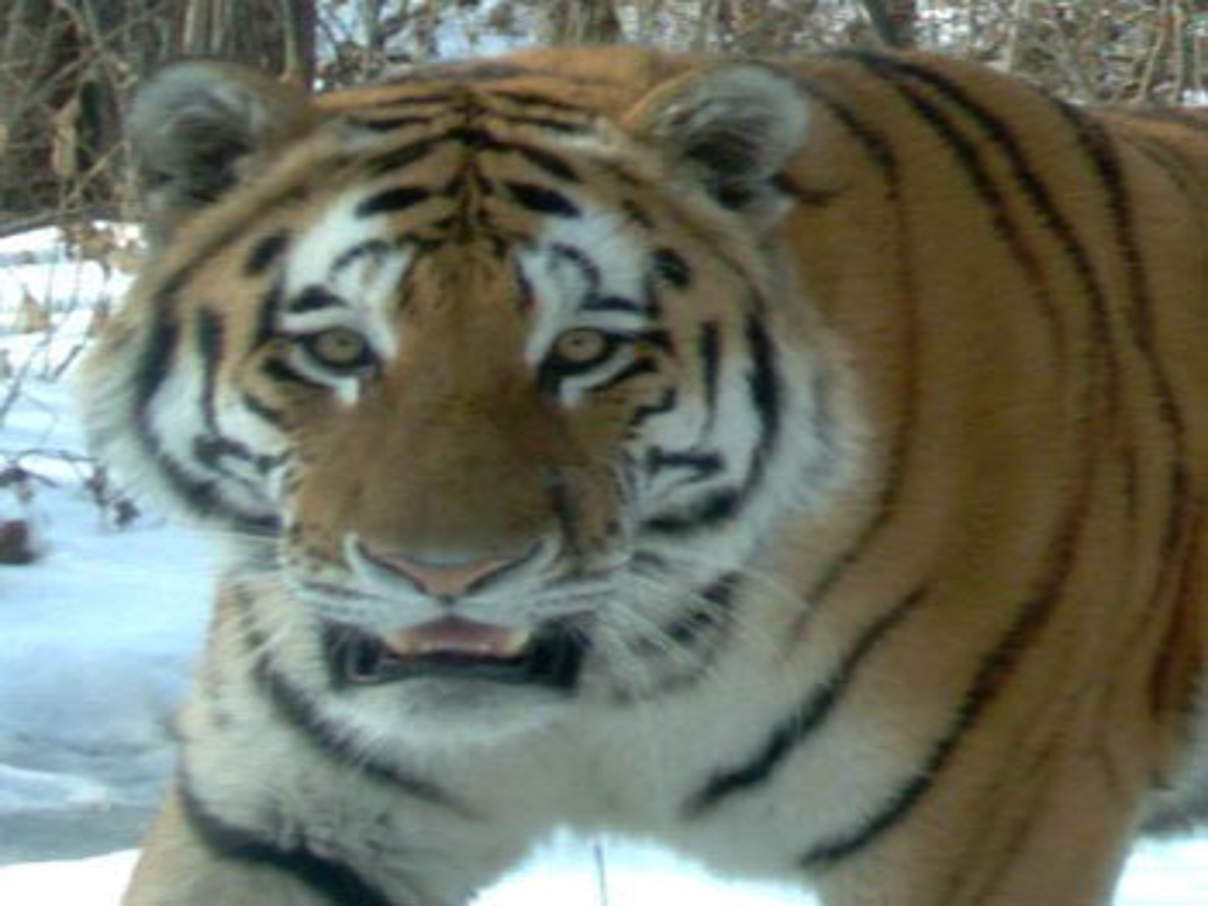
x=731 y=130
x=199 y=128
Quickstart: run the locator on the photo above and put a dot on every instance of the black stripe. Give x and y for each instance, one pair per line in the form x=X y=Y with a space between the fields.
x=993 y=673
x=617 y=304
x=158 y=353
x=636 y=368
x=990 y=677
x=708 y=347
x=659 y=338
x=265 y=252
x=266 y=315
x=336 y=882
x=581 y=261
x=202 y=496
x=881 y=149
x=273 y=416
x=297 y=708
x=671 y=266
x=766 y=396
x=638 y=213
x=708 y=624
x=199 y=495
x=969 y=156
x=1186 y=118
x=436 y=98
x=563 y=505
x=1098 y=147
x=370 y=248
x=814 y=198
x=282 y=371
x=397 y=158
x=389 y=123
x=210 y=449
x=210 y=348
x=805 y=720
x=392 y=200
x=474 y=137
x=315 y=298
x=560 y=126
x=541 y=199
x=527 y=99
x=338 y=742
x=666 y=403
x=548 y=162
x=1170 y=161
x=524 y=288
x=1097 y=144
x=716 y=506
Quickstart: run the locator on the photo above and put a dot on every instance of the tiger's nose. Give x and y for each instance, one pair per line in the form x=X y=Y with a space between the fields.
x=442 y=579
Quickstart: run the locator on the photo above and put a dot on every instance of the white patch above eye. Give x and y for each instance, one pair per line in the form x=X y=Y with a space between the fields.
x=359 y=264
x=574 y=262
x=337 y=230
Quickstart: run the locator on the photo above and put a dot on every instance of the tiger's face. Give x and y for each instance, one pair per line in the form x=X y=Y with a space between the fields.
x=499 y=396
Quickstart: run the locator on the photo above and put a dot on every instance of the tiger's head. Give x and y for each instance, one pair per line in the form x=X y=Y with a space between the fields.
x=498 y=389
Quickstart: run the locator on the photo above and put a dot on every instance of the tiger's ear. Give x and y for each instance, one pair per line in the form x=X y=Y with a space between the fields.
x=199 y=128
x=731 y=130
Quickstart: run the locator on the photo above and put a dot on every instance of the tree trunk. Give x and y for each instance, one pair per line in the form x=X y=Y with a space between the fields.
x=67 y=68
x=892 y=20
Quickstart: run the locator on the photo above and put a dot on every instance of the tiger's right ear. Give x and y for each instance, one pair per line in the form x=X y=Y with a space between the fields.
x=730 y=130
x=199 y=128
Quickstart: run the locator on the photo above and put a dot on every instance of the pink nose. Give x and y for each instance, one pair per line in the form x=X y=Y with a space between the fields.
x=440 y=579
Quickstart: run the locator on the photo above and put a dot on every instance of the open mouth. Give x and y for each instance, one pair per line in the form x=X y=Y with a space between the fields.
x=457 y=648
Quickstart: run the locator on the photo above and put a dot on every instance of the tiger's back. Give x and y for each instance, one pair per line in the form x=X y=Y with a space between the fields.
x=799 y=462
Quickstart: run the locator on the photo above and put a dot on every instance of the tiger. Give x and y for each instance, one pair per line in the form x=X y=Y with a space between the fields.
x=794 y=462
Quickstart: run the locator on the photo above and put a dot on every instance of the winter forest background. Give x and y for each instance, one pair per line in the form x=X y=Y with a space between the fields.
x=102 y=600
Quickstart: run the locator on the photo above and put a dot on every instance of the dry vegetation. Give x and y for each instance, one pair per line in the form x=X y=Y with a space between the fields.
x=67 y=66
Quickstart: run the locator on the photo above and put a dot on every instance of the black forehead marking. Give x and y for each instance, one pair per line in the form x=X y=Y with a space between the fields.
x=389 y=123
x=542 y=199
x=315 y=298
x=552 y=164
x=397 y=158
x=671 y=266
x=580 y=261
x=392 y=200
x=637 y=213
x=370 y=248
x=265 y=252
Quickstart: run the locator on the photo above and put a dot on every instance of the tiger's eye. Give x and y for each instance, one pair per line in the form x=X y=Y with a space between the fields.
x=580 y=346
x=340 y=349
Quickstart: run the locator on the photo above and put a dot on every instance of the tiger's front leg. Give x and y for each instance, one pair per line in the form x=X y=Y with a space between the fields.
x=192 y=859
x=179 y=868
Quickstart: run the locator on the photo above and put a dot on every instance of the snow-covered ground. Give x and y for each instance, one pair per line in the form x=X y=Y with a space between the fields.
x=98 y=640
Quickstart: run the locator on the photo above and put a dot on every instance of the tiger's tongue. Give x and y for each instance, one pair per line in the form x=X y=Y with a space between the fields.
x=456 y=636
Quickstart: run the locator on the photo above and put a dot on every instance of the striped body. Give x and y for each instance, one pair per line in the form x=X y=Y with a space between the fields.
x=797 y=463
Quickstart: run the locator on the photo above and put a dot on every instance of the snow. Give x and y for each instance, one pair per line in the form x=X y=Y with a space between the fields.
x=100 y=635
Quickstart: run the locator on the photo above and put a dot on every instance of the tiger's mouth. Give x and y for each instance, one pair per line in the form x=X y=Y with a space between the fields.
x=458 y=649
